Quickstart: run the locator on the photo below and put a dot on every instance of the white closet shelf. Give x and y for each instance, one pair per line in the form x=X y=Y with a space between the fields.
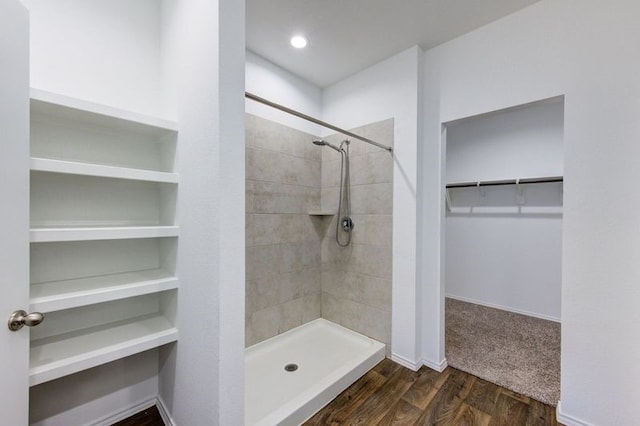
x=60 y=106
x=69 y=353
x=57 y=295
x=86 y=169
x=43 y=235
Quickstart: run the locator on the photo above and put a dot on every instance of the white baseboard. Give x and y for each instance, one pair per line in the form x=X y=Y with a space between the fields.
x=503 y=308
x=110 y=419
x=164 y=413
x=415 y=366
x=438 y=366
x=568 y=420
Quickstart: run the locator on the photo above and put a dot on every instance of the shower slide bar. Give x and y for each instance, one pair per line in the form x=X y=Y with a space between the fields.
x=505 y=182
x=267 y=102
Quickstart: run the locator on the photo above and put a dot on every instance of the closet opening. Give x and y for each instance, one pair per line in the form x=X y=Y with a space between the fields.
x=502 y=230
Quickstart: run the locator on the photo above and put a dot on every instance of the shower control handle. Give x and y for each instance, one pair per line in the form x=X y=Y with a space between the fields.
x=347 y=224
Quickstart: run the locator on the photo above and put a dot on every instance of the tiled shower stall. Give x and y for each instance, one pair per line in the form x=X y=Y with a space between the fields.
x=296 y=272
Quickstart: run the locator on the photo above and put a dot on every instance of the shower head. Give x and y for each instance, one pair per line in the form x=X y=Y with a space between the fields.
x=322 y=142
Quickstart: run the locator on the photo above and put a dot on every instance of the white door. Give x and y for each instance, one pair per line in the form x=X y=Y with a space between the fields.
x=14 y=210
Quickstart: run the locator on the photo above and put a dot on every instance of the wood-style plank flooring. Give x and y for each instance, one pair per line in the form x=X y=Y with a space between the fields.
x=149 y=417
x=390 y=394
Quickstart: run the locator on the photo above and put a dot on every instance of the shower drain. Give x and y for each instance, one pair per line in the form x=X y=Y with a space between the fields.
x=291 y=367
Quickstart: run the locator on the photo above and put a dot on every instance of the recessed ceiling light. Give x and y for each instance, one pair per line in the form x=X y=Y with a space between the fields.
x=298 y=41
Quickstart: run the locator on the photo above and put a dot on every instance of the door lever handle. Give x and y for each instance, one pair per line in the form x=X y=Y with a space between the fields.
x=20 y=318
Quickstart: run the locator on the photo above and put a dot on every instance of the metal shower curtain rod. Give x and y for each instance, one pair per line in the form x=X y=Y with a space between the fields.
x=505 y=182
x=314 y=120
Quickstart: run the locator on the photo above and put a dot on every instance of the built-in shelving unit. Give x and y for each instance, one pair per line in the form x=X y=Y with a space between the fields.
x=103 y=234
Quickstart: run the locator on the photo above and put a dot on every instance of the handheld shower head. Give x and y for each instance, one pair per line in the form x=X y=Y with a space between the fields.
x=322 y=142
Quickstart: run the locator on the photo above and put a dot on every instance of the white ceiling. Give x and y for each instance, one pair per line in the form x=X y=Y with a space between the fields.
x=346 y=36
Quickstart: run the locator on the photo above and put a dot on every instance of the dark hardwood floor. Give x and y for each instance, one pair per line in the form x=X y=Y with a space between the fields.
x=390 y=394
x=393 y=395
x=148 y=417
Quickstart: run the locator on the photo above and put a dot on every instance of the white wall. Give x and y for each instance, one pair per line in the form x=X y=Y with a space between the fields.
x=102 y=51
x=271 y=82
x=585 y=50
x=202 y=377
x=516 y=143
x=391 y=89
x=502 y=251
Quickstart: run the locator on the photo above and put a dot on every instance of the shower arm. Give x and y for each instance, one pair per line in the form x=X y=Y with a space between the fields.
x=267 y=102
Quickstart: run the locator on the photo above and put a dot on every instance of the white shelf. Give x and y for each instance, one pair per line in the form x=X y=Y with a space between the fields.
x=85 y=169
x=60 y=106
x=69 y=353
x=42 y=235
x=57 y=295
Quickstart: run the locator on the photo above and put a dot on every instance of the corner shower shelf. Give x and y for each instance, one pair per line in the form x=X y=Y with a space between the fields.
x=321 y=213
x=81 y=111
x=42 y=235
x=87 y=169
x=58 y=295
x=58 y=356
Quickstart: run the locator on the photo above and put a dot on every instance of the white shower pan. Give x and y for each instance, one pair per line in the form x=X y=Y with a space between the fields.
x=328 y=357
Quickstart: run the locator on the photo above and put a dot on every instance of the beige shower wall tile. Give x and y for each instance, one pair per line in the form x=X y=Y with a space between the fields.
x=372 y=199
x=248 y=196
x=369 y=260
x=329 y=199
x=263 y=165
x=311 y=307
x=365 y=289
x=299 y=171
x=380 y=131
x=373 y=229
x=248 y=230
x=249 y=130
x=367 y=320
x=263 y=261
x=333 y=256
x=268 y=134
x=380 y=167
x=300 y=144
x=274 y=320
x=373 y=291
x=265 y=229
x=298 y=256
x=291 y=315
x=302 y=282
x=267 y=197
x=299 y=199
x=265 y=323
x=331 y=173
x=281 y=228
x=262 y=292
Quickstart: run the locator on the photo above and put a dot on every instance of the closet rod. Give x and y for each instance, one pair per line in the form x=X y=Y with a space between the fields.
x=505 y=182
x=256 y=98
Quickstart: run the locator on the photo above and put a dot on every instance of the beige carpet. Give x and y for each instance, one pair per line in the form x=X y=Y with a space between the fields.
x=516 y=351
